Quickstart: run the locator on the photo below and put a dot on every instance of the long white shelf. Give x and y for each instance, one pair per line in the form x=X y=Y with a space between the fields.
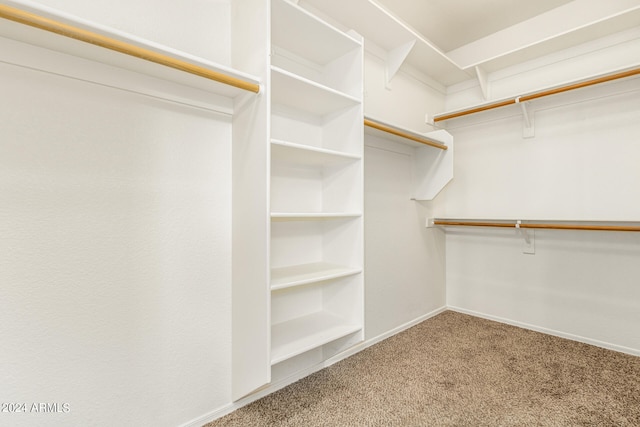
x=308 y=155
x=294 y=91
x=294 y=337
x=540 y=93
x=297 y=275
x=120 y=49
x=313 y=216
x=400 y=134
x=425 y=56
x=299 y=32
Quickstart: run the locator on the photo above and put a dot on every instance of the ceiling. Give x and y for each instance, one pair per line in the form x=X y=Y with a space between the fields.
x=450 y=24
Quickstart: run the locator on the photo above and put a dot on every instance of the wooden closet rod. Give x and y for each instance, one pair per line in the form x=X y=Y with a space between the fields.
x=540 y=94
x=549 y=226
x=406 y=135
x=37 y=21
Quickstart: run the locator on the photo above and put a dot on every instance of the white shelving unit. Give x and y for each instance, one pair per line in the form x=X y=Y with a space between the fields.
x=316 y=184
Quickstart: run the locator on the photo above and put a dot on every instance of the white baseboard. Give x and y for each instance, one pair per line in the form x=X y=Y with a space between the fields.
x=602 y=344
x=371 y=341
x=273 y=387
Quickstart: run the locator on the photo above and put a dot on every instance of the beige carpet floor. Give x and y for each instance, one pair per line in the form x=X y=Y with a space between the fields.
x=459 y=370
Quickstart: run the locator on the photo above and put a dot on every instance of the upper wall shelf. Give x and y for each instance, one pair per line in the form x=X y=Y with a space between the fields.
x=564 y=27
x=594 y=80
x=374 y=126
x=43 y=27
x=304 y=35
x=368 y=19
x=567 y=26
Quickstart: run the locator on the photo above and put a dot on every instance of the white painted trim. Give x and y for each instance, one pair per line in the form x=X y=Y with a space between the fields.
x=382 y=337
x=227 y=409
x=572 y=337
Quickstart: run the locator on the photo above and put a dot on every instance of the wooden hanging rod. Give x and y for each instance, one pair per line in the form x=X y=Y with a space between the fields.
x=417 y=138
x=549 y=226
x=47 y=24
x=540 y=94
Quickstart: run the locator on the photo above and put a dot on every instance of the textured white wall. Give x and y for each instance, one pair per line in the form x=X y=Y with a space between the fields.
x=197 y=27
x=404 y=261
x=578 y=284
x=581 y=165
x=115 y=269
x=407 y=100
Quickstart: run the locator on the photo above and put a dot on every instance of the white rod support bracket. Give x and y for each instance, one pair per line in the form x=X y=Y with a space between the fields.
x=529 y=239
x=483 y=80
x=528 y=130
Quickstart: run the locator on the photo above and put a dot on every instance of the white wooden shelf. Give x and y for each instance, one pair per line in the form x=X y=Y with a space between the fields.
x=313 y=216
x=306 y=95
x=86 y=50
x=308 y=155
x=297 y=275
x=400 y=134
x=424 y=56
x=298 y=31
x=294 y=337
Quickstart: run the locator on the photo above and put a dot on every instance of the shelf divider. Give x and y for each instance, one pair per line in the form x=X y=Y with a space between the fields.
x=303 y=274
x=294 y=337
x=313 y=216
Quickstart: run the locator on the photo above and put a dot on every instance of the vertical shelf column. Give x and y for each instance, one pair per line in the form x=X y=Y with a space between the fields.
x=316 y=190
x=251 y=359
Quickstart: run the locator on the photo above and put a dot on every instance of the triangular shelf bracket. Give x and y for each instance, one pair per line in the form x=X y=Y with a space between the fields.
x=528 y=129
x=483 y=80
x=395 y=59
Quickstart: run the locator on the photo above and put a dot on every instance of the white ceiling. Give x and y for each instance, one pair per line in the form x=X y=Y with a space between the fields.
x=450 y=24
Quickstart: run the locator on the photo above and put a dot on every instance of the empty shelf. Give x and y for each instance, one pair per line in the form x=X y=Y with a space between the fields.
x=303 y=274
x=308 y=155
x=294 y=337
x=312 y=216
x=306 y=95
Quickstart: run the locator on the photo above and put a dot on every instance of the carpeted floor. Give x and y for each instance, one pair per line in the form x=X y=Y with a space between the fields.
x=459 y=370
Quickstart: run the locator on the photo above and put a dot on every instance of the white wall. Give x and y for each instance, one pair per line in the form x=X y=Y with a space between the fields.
x=581 y=165
x=404 y=262
x=406 y=100
x=115 y=273
x=198 y=27
x=578 y=284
